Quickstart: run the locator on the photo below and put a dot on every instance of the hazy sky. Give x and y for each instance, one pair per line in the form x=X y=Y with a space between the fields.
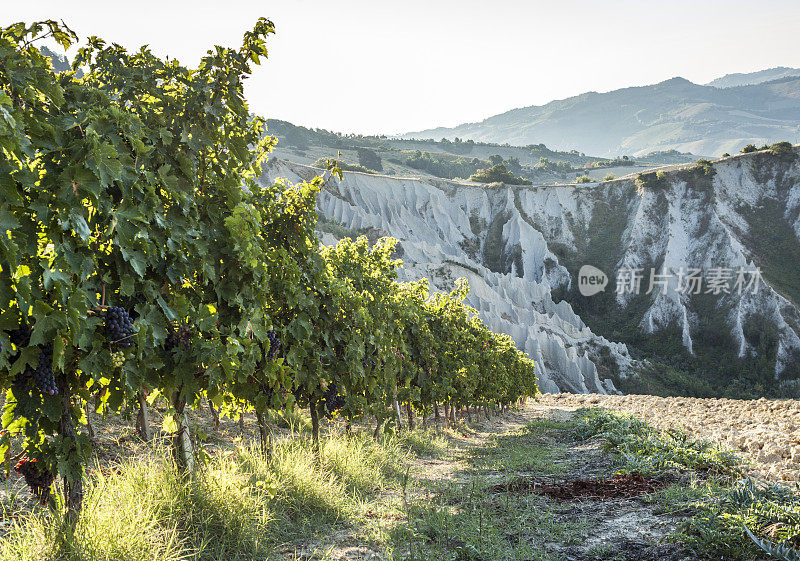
x=377 y=66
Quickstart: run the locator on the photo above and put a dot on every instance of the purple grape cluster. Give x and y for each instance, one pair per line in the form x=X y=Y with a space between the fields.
x=20 y=338
x=182 y=337
x=39 y=480
x=274 y=344
x=43 y=374
x=332 y=399
x=119 y=327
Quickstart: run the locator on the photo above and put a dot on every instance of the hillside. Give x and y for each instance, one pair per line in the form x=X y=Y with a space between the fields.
x=451 y=160
x=674 y=114
x=745 y=79
x=521 y=249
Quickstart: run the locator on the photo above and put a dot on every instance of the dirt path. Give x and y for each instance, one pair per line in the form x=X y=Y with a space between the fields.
x=535 y=445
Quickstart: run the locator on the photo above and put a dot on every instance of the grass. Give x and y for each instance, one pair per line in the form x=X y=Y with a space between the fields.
x=521 y=450
x=426 y=442
x=381 y=497
x=239 y=506
x=362 y=493
x=466 y=520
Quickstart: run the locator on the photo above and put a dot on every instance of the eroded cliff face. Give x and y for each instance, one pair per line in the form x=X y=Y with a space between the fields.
x=519 y=246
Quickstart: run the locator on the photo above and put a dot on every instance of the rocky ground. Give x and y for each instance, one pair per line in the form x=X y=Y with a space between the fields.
x=765 y=433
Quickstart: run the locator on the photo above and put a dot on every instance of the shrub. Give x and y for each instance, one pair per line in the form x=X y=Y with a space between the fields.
x=583 y=179
x=703 y=166
x=609 y=177
x=648 y=451
x=782 y=149
x=369 y=159
x=330 y=163
x=549 y=165
x=445 y=166
x=651 y=181
x=749 y=148
x=498 y=174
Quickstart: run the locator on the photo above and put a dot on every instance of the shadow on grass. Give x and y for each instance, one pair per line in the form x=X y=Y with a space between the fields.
x=238 y=506
x=461 y=519
x=538 y=447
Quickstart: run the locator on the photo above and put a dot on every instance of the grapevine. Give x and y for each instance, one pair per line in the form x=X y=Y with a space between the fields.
x=153 y=200
x=117 y=359
x=333 y=400
x=274 y=344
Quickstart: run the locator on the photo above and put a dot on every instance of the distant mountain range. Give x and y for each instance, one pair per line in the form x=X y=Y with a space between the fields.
x=722 y=116
x=749 y=79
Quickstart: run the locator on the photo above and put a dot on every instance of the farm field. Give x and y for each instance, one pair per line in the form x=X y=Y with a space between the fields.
x=765 y=433
x=548 y=480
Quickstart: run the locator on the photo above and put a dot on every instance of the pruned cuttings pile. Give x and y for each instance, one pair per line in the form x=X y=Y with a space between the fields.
x=623 y=486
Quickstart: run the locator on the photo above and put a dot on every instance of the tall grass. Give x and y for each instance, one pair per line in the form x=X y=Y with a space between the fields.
x=238 y=506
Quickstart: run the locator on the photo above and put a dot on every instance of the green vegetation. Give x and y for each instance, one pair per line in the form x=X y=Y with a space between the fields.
x=555 y=167
x=649 y=451
x=141 y=260
x=658 y=378
x=445 y=165
x=303 y=138
x=583 y=179
x=616 y=162
x=783 y=150
x=498 y=173
x=731 y=518
x=357 y=490
x=772 y=240
x=747 y=520
x=331 y=164
x=467 y=519
x=369 y=159
x=240 y=505
x=332 y=226
x=652 y=181
x=520 y=451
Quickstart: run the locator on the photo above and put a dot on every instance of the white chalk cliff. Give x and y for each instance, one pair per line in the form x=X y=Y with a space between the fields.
x=515 y=244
